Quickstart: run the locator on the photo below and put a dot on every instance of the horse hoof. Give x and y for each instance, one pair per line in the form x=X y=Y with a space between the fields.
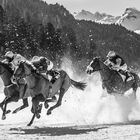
x=37 y=116
x=46 y=105
x=14 y=112
x=3 y=117
x=39 y=108
x=8 y=111
x=32 y=110
x=54 y=99
x=48 y=112
x=29 y=124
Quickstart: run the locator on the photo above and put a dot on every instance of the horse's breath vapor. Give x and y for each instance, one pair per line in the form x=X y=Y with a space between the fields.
x=83 y=107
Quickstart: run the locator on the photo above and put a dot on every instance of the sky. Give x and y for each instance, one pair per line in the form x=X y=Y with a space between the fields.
x=113 y=7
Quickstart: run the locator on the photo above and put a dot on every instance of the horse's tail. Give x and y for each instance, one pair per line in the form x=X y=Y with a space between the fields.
x=79 y=85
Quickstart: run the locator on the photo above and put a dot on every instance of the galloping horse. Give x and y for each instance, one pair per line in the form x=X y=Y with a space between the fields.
x=39 y=86
x=111 y=79
x=11 y=91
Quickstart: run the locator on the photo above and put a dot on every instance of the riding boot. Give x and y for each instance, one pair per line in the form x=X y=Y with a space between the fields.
x=53 y=80
x=126 y=76
x=125 y=73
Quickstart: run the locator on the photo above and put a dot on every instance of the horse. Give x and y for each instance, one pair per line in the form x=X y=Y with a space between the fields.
x=111 y=79
x=39 y=86
x=11 y=90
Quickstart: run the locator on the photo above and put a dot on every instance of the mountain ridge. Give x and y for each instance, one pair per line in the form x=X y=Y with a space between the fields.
x=130 y=19
x=78 y=39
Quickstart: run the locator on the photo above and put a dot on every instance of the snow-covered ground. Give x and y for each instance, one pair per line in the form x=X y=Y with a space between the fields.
x=82 y=115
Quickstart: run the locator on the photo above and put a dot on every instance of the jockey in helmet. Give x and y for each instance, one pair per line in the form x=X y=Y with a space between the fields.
x=117 y=63
x=9 y=56
x=44 y=65
x=13 y=59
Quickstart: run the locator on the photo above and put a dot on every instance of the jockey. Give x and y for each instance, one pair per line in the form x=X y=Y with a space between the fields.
x=13 y=59
x=44 y=65
x=117 y=63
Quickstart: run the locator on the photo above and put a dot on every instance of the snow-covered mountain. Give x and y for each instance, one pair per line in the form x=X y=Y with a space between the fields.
x=130 y=19
x=97 y=17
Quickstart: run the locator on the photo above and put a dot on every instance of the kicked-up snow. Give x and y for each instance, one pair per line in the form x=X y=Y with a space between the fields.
x=83 y=114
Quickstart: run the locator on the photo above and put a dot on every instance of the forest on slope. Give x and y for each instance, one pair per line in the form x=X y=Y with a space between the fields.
x=33 y=27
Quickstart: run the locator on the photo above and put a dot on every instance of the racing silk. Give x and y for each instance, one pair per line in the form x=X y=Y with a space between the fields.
x=117 y=60
x=16 y=60
x=117 y=63
x=7 y=60
x=42 y=64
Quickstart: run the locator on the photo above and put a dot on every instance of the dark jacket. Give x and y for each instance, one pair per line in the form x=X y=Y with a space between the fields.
x=114 y=60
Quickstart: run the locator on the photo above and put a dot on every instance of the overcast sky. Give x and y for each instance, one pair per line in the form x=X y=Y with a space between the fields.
x=114 y=7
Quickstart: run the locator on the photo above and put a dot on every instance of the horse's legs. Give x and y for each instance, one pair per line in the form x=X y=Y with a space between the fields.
x=135 y=87
x=2 y=103
x=31 y=122
x=35 y=103
x=62 y=92
x=8 y=100
x=134 y=92
x=25 y=104
x=53 y=99
x=36 y=108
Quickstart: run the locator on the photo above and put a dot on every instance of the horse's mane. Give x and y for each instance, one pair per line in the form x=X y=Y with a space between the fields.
x=7 y=67
x=31 y=66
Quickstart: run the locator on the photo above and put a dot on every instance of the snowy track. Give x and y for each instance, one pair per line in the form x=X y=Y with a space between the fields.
x=77 y=116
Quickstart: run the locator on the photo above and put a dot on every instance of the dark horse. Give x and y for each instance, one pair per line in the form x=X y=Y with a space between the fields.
x=39 y=87
x=111 y=79
x=11 y=91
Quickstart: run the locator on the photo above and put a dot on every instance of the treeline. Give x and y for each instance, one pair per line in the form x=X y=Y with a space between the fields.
x=32 y=27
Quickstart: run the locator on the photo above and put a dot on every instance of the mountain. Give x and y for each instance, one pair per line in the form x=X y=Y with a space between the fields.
x=137 y=31
x=97 y=17
x=33 y=27
x=130 y=19
x=89 y=16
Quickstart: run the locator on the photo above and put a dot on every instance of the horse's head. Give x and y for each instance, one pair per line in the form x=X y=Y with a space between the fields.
x=93 y=66
x=2 y=68
x=24 y=69
x=5 y=68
